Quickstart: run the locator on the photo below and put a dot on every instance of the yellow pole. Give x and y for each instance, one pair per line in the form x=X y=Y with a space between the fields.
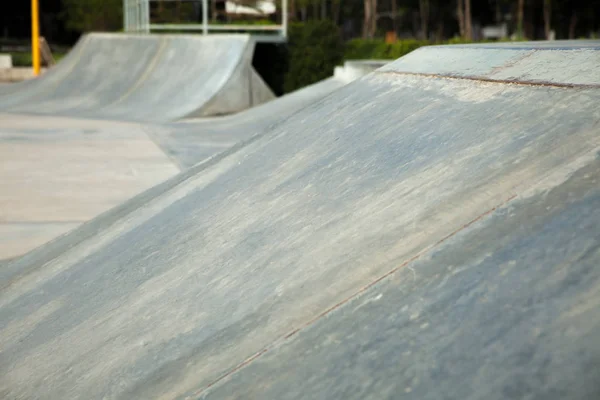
x=35 y=37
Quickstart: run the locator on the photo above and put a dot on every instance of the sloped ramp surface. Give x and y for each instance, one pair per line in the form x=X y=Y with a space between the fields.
x=410 y=235
x=58 y=172
x=150 y=78
x=191 y=141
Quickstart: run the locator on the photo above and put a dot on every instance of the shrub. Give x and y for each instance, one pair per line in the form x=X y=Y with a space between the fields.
x=360 y=49
x=315 y=49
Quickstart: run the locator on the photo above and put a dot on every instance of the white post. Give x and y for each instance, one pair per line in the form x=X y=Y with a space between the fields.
x=136 y=15
x=204 y=17
x=146 y=16
x=125 y=19
x=284 y=17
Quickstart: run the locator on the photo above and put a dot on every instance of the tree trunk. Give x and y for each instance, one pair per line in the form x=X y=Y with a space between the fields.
x=520 y=7
x=373 y=18
x=292 y=11
x=367 y=20
x=303 y=13
x=573 y=25
x=498 y=13
x=460 y=12
x=395 y=16
x=468 y=24
x=323 y=9
x=547 y=17
x=440 y=31
x=424 y=12
x=370 y=21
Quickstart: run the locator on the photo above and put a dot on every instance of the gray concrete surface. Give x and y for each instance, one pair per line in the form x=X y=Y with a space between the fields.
x=194 y=140
x=409 y=234
x=62 y=155
x=130 y=77
x=59 y=172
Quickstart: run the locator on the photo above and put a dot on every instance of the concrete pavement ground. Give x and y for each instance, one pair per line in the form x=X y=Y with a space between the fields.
x=57 y=173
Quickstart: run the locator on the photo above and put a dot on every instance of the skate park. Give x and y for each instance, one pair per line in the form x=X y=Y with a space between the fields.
x=421 y=228
x=66 y=184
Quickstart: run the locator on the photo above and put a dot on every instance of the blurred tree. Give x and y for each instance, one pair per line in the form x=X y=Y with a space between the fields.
x=468 y=23
x=93 y=15
x=315 y=48
x=424 y=14
x=460 y=15
x=547 y=17
x=520 y=11
x=370 y=20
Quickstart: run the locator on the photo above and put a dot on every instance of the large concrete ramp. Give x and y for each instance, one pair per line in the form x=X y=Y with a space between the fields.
x=426 y=235
x=58 y=172
x=194 y=140
x=148 y=78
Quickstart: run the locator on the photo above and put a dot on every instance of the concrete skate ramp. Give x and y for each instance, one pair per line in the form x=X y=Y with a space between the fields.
x=191 y=141
x=58 y=172
x=409 y=235
x=150 y=78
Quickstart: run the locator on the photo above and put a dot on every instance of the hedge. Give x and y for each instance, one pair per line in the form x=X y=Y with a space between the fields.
x=362 y=49
x=315 y=48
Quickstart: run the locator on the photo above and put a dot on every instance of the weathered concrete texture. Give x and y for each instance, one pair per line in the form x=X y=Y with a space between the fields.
x=566 y=63
x=481 y=193
x=72 y=181
x=506 y=309
x=195 y=140
x=59 y=177
x=128 y=77
x=17 y=238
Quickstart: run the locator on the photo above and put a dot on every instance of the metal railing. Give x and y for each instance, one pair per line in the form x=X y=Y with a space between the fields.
x=137 y=19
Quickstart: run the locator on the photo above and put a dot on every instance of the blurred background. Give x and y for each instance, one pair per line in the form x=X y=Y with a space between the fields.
x=321 y=33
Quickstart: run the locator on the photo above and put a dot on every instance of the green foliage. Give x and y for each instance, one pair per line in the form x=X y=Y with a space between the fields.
x=174 y=13
x=245 y=22
x=93 y=15
x=315 y=49
x=24 y=59
x=362 y=49
x=359 y=49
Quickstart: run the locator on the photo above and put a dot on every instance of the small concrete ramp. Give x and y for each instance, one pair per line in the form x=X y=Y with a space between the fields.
x=150 y=78
x=421 y=235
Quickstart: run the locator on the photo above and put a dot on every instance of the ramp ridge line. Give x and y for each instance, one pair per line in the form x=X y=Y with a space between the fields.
x=354 y=295
x=492 y=80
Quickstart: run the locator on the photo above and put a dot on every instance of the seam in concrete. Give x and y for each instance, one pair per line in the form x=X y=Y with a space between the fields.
x=329 y=310
x=148 y=131
x=491 y=80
